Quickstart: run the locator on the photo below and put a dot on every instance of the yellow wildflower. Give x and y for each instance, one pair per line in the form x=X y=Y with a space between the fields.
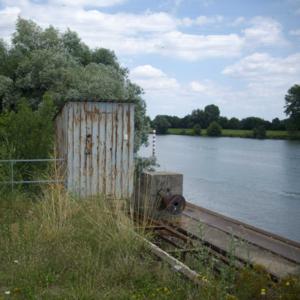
x=263 y=292
x=287 y=283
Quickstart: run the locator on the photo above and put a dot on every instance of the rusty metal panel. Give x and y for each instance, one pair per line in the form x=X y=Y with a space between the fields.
x=96 y=139
x=130 y=150
x=118 y=152
x=76 y=147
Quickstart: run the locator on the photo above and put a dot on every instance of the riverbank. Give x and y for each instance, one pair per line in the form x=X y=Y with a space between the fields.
x=270 y=134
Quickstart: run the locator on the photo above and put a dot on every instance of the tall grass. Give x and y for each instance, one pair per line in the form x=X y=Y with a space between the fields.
x=60 y=247
x=57 y=246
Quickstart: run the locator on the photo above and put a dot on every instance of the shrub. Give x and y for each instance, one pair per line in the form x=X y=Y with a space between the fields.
x=214 y=129
x=259 y=132
x=197 y=129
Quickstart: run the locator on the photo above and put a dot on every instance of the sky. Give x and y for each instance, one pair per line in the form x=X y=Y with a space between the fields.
x=240 y=55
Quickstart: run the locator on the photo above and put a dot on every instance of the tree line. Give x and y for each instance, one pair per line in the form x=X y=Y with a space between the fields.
x=210 y=115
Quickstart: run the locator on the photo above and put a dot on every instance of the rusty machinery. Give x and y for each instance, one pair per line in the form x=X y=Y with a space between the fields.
x=171 y=203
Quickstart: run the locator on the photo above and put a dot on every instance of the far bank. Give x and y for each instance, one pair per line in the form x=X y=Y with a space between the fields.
x=270 y=134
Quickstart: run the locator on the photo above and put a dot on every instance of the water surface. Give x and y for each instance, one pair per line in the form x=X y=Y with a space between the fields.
x=255 y=181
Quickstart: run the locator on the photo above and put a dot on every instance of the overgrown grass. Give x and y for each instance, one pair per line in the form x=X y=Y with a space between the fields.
x=58 y=247
x=270 y=134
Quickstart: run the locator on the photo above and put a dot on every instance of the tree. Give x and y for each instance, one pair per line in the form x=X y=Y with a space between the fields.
x=197 y=129
x=292 y=107
x=161 y=124
x=212 y=113
x=43 y=61
x=198 y=116
x=259 y=132
x=251 y=122
x=234 y=123
x=224 y=122
x=214 y=129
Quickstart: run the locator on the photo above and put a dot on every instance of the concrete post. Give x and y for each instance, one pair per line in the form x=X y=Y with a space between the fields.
x=155 y=184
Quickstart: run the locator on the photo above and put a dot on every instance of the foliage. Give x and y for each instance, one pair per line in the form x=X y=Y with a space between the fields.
x=233 y=123
x=41 y=61
x=292 y=107
x=214 y=129
x=259 y=132
x=197 y=129
x=26 y=134
x=211 y=112
x=270 y=134
x=29 y=132
x=161 y=124
x=65 y=248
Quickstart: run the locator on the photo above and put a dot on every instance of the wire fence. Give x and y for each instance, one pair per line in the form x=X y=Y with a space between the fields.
x=11 y=172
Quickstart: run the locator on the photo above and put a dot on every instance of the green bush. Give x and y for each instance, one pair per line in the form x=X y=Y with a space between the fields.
x=214 y=129
x=197 y=129
x=259 y=132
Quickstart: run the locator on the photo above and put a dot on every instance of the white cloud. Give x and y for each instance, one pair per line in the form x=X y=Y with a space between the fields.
x=153 y=79
x=263 y=32
x=264 y=67
x=147 y=71
x=201 y=20
x=196 y=86
x=128 y=33
x=141 y=33
x=85 y=3
x=267 y=79
x=193 y=47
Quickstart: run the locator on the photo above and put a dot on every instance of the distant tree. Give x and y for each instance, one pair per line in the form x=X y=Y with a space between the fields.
x=214 y=129
x=174 y=121
x=277 y=124
x=212 y=113
x=234 y=123
x=259 y=132
x=292 y=107
x=198 y=117
x=187 y=122
x=197 y=129
x=224 y=122
x=251 y=122
x=161 y=124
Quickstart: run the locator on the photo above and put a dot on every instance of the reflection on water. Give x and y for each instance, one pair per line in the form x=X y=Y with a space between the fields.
x=255 y=181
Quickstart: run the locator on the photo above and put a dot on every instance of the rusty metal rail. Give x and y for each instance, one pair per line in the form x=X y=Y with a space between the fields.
x=182 y=238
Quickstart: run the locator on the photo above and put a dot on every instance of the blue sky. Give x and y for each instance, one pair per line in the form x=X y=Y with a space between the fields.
x=239 y=55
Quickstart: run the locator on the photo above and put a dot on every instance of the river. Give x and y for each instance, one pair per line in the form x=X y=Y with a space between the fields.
x=255 y=181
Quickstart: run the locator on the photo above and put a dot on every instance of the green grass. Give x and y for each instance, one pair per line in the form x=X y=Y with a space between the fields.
x=57 y=247
x=271 y=134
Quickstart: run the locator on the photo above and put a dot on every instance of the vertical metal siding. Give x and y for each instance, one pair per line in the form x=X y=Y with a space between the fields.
x=97 y=141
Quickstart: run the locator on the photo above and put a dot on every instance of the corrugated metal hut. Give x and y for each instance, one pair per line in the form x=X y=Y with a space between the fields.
x=96 y=141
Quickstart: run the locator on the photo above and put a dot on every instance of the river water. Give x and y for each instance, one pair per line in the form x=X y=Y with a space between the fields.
x=255 y=181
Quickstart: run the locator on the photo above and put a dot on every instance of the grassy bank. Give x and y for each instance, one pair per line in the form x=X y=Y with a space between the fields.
x=61 y=248
x=58 y=247
x=270 y=134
